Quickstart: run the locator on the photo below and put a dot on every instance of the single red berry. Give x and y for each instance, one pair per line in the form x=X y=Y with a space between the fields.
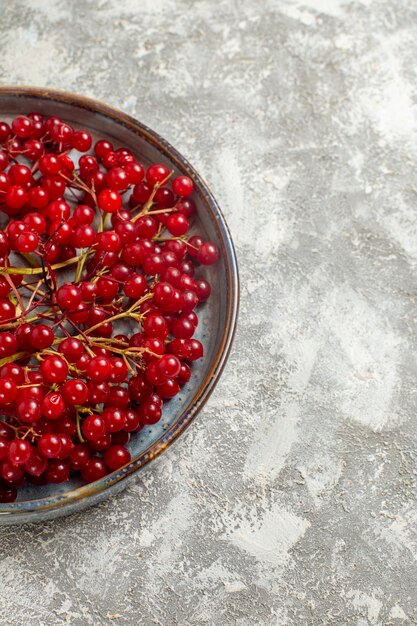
x=11 y=473
x=102 y=147
x=202 y=289
x=8 y=344
x=114 y=419
x=53 y=406
x=156 y=174
x=4 y=131
x=68 y=296
x=109 y=200
x=81 y=140
x=168 y=389
x=208 y=253
x=132 y=422
x=169 y=366
x=7 y=310
x=57 y=471
x=183 y=186
x=54 y=369
x=135 y=172
x=94 y=469
x=116 y=457
x=79 y=457
x=117 y=179
x=42 y=337
x=36 y=464
x=15 y=198
x=28 y=410
x=135 y=286
x=49 y=164
x=35 y=221
x=177 y=224
x=19 y=451
x=184 y=375
x=99 y=368
x=141 y=193
x=83 y=214
x=155 y=326
x=74 y=391
x=71 y=348
x=22 y=126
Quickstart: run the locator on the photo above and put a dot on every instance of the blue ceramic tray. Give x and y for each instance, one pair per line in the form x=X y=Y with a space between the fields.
x=217 y=317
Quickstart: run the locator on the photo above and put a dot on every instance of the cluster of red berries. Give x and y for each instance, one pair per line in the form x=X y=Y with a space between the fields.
x=97 y=323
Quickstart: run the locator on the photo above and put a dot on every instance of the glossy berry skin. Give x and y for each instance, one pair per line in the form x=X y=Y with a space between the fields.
x=109 y=200
x=94 y=469
x=36 y=464
x=8 y=391
x=50 y=445
x=42 y=337
x=28 y=410
x=177 y=224
x=156 y=174
x=19 y=451
x=8 y=344
x=114 y=419
x=208 y=254
x=54 y=369
x=169 y=366
x=135 y=286
x=71 y=348
x=53 y=406
x=74 y=391
x=68 y=296
x=93 y=428
x=183 y=186
x=156 y=326
x=79 y=457
x=22 y=126
x=99 y=369
x=116 y=457
x=82 y=140
x=7 y=310
x=57 y=472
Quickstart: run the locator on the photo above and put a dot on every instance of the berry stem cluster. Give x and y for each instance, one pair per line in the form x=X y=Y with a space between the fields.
x=98 y=300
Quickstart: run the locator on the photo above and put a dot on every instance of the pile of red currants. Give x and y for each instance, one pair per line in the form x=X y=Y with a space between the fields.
x=97 y=300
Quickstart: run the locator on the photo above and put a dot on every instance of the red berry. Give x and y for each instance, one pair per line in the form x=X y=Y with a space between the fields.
x=177 y=224
x=8 y=391
x=74 y=391
x=41 y=337
x=114 y=419
x=183 y=186
x=99 y=368
x=8 y=344
x=82 y=140
x=50 y=445
x=28 y=410
x=71 y=348
x=53 y=406
x=19 y=451
x=109 y=200
x=116 y=457
x=208 y=253
x=94 y=469
x=54 y=369
x=68 y=296
x=156 y=174
x=22 y=126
